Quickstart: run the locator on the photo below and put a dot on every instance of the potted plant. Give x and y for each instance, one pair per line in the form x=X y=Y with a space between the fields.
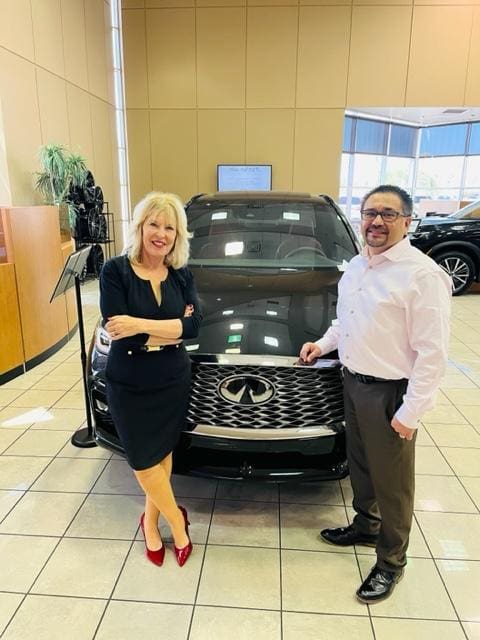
x=61 y=170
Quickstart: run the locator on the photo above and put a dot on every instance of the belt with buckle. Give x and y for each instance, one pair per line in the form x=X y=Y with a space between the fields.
x=147 y=348
x=369 y=379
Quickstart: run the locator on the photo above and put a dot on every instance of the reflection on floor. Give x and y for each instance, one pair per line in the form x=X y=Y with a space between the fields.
x=72 y=563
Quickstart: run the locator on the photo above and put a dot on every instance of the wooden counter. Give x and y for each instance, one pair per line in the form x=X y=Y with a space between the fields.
x=33 y=257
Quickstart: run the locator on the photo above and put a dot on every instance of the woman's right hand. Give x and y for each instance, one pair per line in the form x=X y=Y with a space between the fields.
x=188 y=311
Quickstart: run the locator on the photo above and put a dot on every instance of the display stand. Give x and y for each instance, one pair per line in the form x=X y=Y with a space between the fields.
x=70 y=277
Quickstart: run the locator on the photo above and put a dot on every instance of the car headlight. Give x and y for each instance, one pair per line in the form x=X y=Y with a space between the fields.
x=102 y=340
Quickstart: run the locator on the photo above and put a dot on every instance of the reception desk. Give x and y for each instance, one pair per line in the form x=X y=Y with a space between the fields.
x=32 y=255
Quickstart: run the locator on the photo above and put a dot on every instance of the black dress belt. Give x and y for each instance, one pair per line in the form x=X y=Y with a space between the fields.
x=371 y=379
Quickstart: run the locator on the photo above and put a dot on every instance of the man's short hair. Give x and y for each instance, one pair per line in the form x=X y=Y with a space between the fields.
x=407 y=202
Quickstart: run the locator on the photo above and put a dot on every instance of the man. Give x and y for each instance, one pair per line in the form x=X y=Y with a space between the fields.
x=392 y=337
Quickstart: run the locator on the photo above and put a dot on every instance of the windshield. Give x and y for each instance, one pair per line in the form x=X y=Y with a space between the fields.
x=268 y=234
x=470 y=212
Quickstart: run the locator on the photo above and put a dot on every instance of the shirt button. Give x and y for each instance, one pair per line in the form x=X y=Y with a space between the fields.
x=347 y=335
x=359 y=288
x=351 y=311
x=347 y=357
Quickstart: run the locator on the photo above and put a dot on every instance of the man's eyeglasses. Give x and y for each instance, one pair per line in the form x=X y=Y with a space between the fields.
x=387 y=215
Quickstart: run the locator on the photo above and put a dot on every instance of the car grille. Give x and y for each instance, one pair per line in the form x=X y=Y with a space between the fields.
x=304 y=397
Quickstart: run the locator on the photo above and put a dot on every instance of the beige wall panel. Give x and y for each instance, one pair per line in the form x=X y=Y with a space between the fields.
x=324 y=36
x=378 y=68
x=438 y=56
x=271 y=56
x=102 y=146
x=21 y=122
x=472 y=91
x=383 y=2
x=74 y=43
x=277 y=3
x=133 y=4
x=171 y=58
x=318 y=148
x=174 y=151
x=324 y=2
x=16 y=27
x=80 y=123
x=52 y=98
x=221 y=138
x=168 y=4
x=221 y=57
x=447 y=2
x=47 y=33
x=139 y=147
x=270 y=141
x=221 y=3
x=98 y=66
x=135 y=59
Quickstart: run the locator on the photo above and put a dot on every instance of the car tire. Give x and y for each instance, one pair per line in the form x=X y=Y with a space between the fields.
x=459 y=267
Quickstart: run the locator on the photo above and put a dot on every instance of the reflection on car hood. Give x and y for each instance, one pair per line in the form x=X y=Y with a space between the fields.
x=263 y=311
x=440 y=220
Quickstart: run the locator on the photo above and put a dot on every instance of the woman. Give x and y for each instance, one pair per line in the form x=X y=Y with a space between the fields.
x=149 y=304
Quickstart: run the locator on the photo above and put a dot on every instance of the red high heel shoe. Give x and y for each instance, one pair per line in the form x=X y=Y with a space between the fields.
x=157 y=557
x=183 y=553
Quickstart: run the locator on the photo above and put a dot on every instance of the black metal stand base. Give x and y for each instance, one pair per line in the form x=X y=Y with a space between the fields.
x=83 y=438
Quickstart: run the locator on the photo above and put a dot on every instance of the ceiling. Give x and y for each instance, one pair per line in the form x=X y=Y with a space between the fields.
x=423 y=116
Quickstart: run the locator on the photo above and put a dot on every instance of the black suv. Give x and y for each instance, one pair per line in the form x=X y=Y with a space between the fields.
x=454 y=242
x=266 y=267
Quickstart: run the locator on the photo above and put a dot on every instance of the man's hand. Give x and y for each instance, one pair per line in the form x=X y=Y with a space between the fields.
x=310 y=352
x=402 y=430
x=122 y=327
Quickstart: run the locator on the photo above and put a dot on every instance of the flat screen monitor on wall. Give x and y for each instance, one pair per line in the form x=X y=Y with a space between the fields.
x=244 y=177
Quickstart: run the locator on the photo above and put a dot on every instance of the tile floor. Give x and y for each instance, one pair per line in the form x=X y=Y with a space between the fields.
x=72 y=563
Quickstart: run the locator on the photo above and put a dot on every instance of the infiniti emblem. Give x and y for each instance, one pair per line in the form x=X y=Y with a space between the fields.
x=246 y=390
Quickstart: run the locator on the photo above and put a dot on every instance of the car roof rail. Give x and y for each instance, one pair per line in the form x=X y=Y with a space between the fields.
x=193 y=198
x=328 y=199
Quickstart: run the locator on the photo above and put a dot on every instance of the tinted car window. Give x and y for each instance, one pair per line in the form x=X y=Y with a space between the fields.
x=276 y=234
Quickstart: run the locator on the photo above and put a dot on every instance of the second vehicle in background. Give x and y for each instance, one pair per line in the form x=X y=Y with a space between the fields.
x=453 y=242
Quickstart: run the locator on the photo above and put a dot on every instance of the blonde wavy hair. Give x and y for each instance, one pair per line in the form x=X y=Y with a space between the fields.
x=150 y=207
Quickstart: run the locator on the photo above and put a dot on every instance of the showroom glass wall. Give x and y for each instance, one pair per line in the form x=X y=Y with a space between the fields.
x=437 y=162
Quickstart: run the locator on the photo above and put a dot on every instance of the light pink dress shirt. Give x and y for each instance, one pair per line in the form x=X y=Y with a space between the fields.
x=393 y=315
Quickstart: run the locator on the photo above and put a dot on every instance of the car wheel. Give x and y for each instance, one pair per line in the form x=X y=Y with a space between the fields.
x=459 y=267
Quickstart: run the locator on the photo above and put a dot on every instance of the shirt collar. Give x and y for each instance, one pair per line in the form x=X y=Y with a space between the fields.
x=394 y=254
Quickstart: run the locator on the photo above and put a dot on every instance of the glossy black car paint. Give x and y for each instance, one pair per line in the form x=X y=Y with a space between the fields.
x=255 y=320
x=454 y=242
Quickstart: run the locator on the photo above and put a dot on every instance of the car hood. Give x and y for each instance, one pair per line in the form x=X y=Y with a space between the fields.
x=263 y=311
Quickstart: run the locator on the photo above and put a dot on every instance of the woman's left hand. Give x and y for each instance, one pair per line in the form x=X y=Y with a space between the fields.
x=120 y=327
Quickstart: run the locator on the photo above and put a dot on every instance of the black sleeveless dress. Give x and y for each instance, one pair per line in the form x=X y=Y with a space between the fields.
x=147 y=392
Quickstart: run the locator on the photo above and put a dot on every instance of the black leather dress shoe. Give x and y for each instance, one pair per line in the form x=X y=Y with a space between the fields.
x=378 y=585
x=346 y=536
